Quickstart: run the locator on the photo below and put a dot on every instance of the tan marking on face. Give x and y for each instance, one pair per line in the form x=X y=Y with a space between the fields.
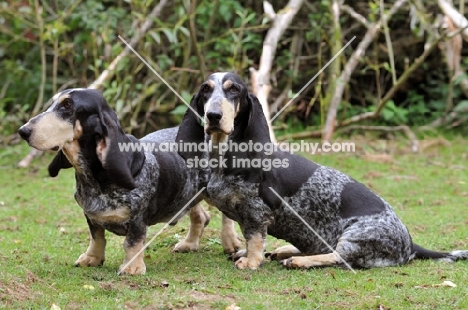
x=254 y=258
x=63 y=97
x=227 y=122
x=218 y=138
x=227 y=84
x=237 y=108
x=211 y=83
x=72 y=148
x=50 y=131
x=111 y=216
x=102 y=150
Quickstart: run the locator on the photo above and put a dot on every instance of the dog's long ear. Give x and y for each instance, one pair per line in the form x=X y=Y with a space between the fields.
x=117 y=163
x=257 y=127
x=60 y=161
x=191 y=130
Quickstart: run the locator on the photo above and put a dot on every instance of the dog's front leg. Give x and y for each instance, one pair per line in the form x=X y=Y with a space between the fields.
x=229 y=238
x=199 y=218
x=133 y=245
x=94 y=255
x=255 y=245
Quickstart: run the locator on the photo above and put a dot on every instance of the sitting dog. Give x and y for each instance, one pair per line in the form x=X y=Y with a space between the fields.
x=344 y=221
x=123 y=192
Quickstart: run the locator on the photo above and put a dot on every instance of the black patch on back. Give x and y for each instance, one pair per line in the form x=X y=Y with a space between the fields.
x=358 y=200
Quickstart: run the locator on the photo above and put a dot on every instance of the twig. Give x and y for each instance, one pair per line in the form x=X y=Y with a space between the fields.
x=388 y=41
x=353 y=61
x=458 y=19
x=401 y=80
x=356 y=16
x=40 y=23
x=261 y=77
x=193 y=38
x=139 y=34
x=301 y=135
x=106 y=74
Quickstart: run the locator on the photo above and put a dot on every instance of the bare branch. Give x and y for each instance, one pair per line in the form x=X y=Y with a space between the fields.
x=139 y=34
x=458 y=19
x=343 y=80
x=356 y=15
x=105 y=75
x=261 y=77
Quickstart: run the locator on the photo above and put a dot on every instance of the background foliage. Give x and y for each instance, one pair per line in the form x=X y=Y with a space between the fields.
x=78 y=40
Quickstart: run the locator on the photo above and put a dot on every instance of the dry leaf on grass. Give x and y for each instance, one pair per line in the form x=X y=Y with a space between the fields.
x=233 y=307
x=443 y=284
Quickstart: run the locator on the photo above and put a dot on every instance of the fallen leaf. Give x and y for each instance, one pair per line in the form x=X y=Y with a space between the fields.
x=447 y=284
x=54 y=307
x=443 y=284
x=88 y=287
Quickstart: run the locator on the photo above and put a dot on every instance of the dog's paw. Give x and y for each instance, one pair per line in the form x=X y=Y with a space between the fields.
x=134 y=268
x=236 y=255
x=295 y=262
x=248 y=263
x=86 y=260
x=230 y=242
x=185 y=246
x=282 y=252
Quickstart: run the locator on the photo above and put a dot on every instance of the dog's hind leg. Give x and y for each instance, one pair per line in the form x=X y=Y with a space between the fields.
x=320 y=260
x=94 y=255
x=283 y=252
x=229 y=237
x=199 y=218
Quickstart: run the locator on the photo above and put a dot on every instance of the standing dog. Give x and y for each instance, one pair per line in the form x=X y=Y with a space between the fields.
x=122 y=191
x=361 y=228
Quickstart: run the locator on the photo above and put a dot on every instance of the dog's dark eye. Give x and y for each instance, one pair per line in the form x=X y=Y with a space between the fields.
x=234 y=89
x=66 y=104
x=205 y=88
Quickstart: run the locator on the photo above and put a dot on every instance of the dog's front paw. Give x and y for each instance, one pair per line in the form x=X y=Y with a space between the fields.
x=185 y=246
x=236 y=255
x=136 y=267
x=248 y=263
x=282 y=252
x=230 y=241
x=86 y=260
x=296 y=262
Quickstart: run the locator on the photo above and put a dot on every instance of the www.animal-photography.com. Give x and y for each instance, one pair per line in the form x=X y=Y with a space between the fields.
x=233 y=154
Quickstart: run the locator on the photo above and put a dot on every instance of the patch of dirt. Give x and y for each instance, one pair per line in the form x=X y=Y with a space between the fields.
x=202 y=300
x=15 y=291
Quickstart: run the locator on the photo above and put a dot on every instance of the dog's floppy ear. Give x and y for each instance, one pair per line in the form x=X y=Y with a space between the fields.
x=117 y=163
x=191 y=129
x=257 y=127
x=60 y=161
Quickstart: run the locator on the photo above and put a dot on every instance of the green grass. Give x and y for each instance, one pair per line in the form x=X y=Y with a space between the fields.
x=43 y=231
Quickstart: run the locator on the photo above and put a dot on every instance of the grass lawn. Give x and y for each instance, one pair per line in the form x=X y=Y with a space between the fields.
x=43 y=231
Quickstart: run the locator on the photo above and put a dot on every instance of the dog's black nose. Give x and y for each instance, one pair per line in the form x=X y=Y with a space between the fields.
x=24 y=132
x=214 y=116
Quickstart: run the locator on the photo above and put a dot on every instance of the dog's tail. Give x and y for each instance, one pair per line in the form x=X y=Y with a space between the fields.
x=450 y=257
